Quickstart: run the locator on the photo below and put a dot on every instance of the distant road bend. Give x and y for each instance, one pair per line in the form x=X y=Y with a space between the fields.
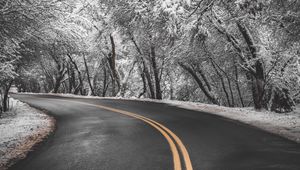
x=111 y=134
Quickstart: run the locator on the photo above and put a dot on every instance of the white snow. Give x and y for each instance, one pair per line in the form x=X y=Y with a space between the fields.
x=13 y=89
x=20 y=129
x=284 y=124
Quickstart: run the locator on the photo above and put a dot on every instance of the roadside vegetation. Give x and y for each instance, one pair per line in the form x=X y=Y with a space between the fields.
x=235 y=53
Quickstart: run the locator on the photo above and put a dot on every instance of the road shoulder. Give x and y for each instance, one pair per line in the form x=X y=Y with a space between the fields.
x=21 y=129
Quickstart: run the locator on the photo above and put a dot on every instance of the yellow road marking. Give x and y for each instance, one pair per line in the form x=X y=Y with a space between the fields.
x=176 y=158
x=162 y=129
x=183 y=150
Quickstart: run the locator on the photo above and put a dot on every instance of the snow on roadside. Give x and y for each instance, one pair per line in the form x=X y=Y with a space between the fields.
x=20 y=129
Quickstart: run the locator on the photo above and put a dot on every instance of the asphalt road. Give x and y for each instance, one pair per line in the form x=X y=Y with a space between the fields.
x=98 y=134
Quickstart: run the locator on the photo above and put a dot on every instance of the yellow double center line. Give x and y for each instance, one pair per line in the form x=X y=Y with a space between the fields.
x=167 y=133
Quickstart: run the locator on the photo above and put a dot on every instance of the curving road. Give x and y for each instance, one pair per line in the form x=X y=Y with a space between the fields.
x=104 y=134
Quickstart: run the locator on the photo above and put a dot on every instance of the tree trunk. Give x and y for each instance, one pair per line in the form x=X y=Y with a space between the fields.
x=228 y=81
x=112 y=63
x=145 y=70
x=207 y=93
x=258 y=84
x=149 y=81
x=57 y=84
x=71 y=75
x=91 y=89
x=222 y=82
x=125 y=80
x=200 y=71
x=104 y=85
x=144 y=82
x=5 y=101
x=237 y=84
x=70 y=79
x=4 y=93
x=156 y=73
x=171 y=86
x=80 y=85
x=258 y=78
x=59 y=77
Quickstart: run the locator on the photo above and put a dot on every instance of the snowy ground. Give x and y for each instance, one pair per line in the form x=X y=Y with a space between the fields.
x=284 y=124
x=20 y=129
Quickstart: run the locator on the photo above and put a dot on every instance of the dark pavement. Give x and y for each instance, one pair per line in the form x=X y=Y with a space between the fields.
x=91 y=138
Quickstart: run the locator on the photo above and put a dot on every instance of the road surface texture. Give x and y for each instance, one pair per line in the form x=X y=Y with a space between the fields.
x=106 y=134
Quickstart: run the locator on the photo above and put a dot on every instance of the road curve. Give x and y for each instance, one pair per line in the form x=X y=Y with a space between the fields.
x=111 y=134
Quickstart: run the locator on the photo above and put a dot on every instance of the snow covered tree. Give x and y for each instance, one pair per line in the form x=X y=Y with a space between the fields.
x=234 y=53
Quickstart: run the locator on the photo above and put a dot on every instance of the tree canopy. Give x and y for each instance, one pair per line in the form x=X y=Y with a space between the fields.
x=235 y=53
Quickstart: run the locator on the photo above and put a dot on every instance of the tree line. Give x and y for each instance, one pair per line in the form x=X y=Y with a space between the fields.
x=235 y=53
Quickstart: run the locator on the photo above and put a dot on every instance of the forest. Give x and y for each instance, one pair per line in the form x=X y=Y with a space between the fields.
x=235 y=53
